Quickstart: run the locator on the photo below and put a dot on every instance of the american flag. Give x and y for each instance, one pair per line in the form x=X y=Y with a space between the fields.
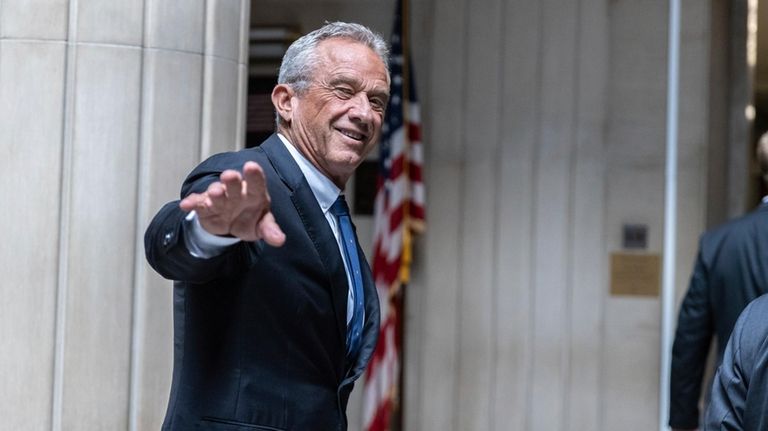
x=399 y=213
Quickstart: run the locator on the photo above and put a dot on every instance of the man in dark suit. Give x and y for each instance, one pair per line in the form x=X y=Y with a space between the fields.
x=275 y=311
x=740 y=388
x=731 y=270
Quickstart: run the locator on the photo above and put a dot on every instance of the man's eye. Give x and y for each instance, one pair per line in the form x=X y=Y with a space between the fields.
x=378 y=104
x=344 y=92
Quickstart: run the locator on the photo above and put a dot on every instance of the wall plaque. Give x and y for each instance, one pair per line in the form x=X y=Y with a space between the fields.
x=635 y=274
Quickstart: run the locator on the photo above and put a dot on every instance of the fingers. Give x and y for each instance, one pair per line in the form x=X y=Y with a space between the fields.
x=194 y=201
x=267 y=228
x=238 y=204
x=220 y=197
x=255 y=180
x=217 y=199
x=232 y=182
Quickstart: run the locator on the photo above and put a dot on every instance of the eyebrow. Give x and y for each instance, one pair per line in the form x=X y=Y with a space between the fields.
x=356 y=82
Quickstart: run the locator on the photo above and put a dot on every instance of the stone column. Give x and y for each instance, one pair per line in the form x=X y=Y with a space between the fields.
x=105 y=105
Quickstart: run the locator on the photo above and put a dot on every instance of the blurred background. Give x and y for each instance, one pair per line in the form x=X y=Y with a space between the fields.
x=535 y=301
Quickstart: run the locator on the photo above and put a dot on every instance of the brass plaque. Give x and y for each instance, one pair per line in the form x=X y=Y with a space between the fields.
x=635 y=274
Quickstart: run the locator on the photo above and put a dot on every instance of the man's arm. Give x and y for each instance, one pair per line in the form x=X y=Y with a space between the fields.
x=693 y=337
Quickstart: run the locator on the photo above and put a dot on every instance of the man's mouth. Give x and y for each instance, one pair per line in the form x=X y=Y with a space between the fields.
x=352 y=134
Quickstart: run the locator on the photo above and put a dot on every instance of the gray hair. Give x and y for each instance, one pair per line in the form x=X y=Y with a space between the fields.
x=301 y=59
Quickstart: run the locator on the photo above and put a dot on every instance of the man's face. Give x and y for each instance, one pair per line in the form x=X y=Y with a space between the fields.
x=337 y=120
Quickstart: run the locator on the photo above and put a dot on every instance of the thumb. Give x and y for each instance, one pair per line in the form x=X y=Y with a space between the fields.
x=270 y=231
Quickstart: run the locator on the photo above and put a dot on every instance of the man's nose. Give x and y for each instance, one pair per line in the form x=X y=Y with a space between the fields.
x=361 y=110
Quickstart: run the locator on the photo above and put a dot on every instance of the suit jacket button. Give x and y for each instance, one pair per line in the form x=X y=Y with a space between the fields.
x=167 y=238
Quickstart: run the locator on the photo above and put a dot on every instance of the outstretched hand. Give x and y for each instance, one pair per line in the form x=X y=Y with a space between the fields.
x=237 y=205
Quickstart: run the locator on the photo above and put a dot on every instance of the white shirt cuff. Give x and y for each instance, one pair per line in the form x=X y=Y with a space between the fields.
x=200 y=242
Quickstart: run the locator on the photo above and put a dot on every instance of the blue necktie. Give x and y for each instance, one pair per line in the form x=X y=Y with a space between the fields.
x=348 y=238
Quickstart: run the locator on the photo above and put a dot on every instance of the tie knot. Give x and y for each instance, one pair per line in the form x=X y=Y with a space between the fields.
x=340 y=208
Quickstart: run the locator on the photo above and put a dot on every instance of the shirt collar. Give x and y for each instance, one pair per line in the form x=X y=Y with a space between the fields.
x=325 y=191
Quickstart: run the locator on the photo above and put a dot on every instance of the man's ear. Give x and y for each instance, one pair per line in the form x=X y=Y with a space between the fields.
x=281 y=99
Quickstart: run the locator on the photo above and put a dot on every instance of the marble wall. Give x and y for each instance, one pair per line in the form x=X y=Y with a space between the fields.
x=104 y=108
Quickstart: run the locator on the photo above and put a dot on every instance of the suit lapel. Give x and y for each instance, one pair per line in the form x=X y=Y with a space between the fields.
x=315 y=225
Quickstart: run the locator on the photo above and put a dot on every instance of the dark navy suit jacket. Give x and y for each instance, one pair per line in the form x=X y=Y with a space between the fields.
x=740 y=389
x=731 y=270
x=259 y=331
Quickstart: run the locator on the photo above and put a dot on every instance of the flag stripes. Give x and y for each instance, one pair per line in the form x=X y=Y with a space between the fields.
x=398 y=212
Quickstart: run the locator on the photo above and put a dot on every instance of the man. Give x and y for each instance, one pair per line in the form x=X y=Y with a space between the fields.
x=731 y=270
x=740 y=388
x=275 y=310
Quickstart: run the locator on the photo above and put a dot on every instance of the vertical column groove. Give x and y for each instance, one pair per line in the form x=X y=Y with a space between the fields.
x=70 y=84
x=497 y=163
x=242 y=74
x=567 y=352
x=205 y=123
x=142 y=170
x=534 y=202
x=460 y=229
x=203 y=81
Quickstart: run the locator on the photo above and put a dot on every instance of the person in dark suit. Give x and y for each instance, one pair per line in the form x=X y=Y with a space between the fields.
x=740 y=388
x=275 y=310
x=730 y=271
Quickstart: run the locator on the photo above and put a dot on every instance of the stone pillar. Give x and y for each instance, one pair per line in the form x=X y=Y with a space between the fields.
x=105 y=105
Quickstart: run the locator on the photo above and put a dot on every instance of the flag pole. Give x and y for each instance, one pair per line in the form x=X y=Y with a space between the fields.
x=405 y=263
x=399 y=297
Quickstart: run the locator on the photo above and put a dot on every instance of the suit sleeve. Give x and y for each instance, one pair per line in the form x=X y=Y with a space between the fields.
x=729 y=388
x=164 y=243
x=695 y=328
